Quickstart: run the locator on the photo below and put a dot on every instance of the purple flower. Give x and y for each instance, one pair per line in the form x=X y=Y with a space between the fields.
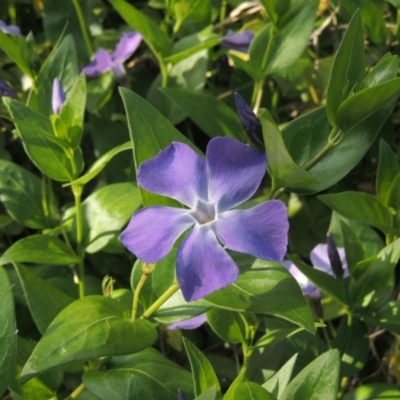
x=10 y=29
x=7 y=90
x=58 y=96
x=105 y=61
x=240 y=41
x=210 y=188
x=191 y=323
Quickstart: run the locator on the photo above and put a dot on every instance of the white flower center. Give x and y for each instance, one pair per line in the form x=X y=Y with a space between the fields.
x=204 y=212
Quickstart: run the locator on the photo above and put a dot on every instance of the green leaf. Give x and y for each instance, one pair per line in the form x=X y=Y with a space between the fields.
x=270 y=298
x=192 y=44
x=158 y=41
x=374 y=391
x=274 y=336
x=209 y=394
x=202 y=371
x=281 y=166
x=147 y=374
x=73 y=111
x=100 y=164
x=8 y=333
x=44 y=300
x=387 y=317
x=188 y=10
x=362 y=207
x=62 y=63
x=276 y=8
x=44 y=149
x=91 y=327
x=319 y=380
x=352 y=245
x=393 y=196
x=328 y=284
x=361 y=105
x=105 y=212
x=16 y=49
x=211 y=115
x=348 y=67
x=39 y=249
x=388 y=168
x=150 y=132
x=251 y=391
x=21 y=195
x=277 y=384
x=228 y=325
x=384 y=70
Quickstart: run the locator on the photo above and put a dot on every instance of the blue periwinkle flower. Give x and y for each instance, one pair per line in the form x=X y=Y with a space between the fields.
x=210 y=188
x=240 y=41
x=334 y=257
x=7 y=90
x=105 y=61
x=250 y=122
x=181 y=396
x=58 y=96
x=10 y=29
x=189 y=324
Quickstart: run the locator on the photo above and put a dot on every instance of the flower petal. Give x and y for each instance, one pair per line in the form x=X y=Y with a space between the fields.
x=119 y=70
x=7 y=90
x=10 y=29
x=152 y=232
x=261 y=231
x=202 y=265
x=235 y=171
x=320 y=259
x=305 y=284
x=240 y=41
x=191 y=323
x=127 y=45
x=58 y=96
x=177 y=172
x=101 y=63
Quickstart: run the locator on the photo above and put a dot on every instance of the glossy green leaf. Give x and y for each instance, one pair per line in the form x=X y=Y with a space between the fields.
x=202 y=371
x=327 y=283
x=212 y=116
x=188 y=10
x=155 y=38
x=374 y=391
x=100 y=164
x=384 y=70
x=150 y=132
x=352 y=245
x=39 y=249
x=44 y=300
x=44 y=149
x=8 y=333
x=228 y=325
x=277 y=384
x=21 y=195
x=62 y=63
x=91 y=327
x=393 y=196
x=191 y=44
x=251 y=391
x=361 y=105
x=16 y=49
x=281 y=166
x=362 y=207
x=276 y=8
x=274 y=336
x=319 y=380
x=106 y=211
x=387 y=317
x=209 y=394
x=270 y=298
x=388 y=168
x=348 y=67
x=147 y=375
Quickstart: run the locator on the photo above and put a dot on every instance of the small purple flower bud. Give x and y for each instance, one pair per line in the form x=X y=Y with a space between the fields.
x=6 y=90
x=181 y=396
x=250 y=122
x=240 y=41
x=10 y=29
x=334 y=257
x=58 y=96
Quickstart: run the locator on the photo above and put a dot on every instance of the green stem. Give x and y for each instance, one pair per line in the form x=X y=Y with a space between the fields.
x=161 y=300
x=257 y=95
x=136 y=294
x=246 y=360
x=269 y=47
x=164 y=74
x=397 y=28
x=76 y=392
x=77 y=191
x=83 y=26
x=222 y=13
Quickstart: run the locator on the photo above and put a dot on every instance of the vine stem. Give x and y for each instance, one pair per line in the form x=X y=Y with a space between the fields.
x=161 y=300
x=77 y=192
x=82 y=24
x=76 y=392
x=136 y=294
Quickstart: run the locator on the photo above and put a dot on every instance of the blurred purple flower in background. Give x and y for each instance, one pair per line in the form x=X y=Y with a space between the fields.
x=10 y=29
x=191 y=323
x=105 y=61
x=240 y=41
x=211 y=187
x=7 y=90
x=58 y=96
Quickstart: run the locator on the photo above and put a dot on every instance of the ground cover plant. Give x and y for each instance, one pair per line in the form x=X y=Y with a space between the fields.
x=199 y=199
